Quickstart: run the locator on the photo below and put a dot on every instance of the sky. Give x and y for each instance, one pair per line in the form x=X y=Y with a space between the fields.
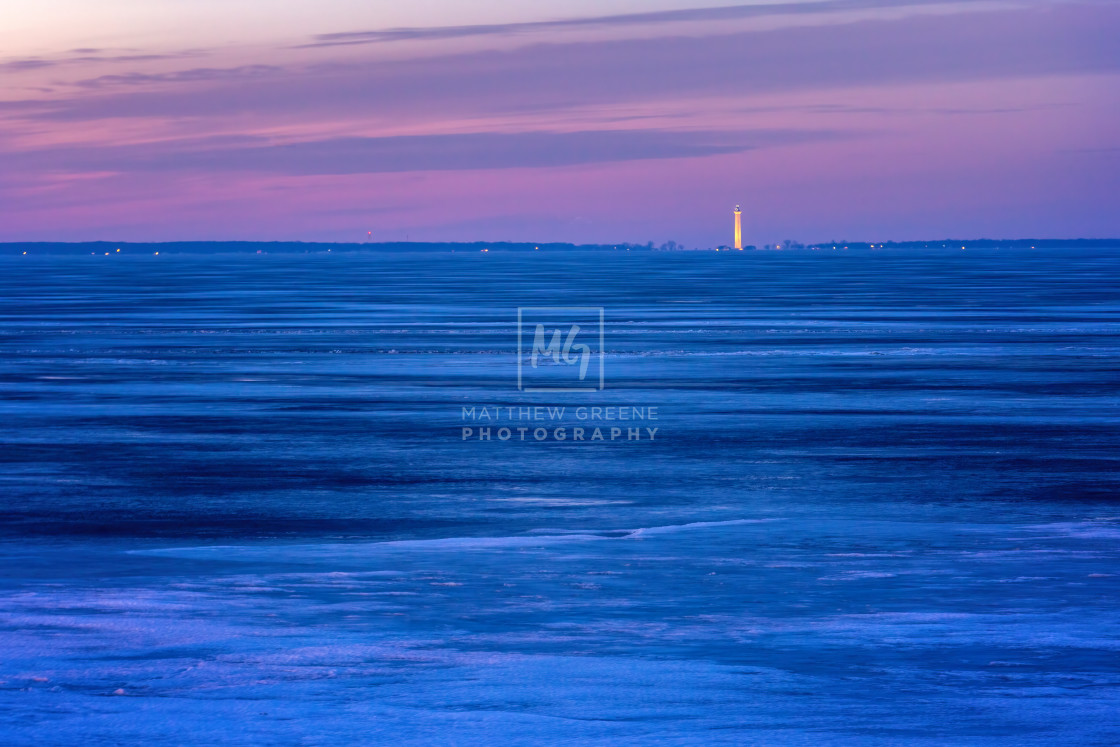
x=597 y=121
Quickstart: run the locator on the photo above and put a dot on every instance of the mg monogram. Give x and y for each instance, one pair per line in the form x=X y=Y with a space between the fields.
x=564 y=345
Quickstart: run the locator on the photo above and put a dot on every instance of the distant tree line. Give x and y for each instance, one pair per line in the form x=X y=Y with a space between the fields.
x=311 y=247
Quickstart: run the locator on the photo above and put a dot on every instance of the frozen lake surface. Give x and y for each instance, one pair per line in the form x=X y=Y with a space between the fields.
x=881 y=506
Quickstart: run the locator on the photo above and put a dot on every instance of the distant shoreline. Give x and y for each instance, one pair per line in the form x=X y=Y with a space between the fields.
x=403 y=247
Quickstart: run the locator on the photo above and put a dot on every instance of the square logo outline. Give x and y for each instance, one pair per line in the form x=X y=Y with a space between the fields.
x=602 y=337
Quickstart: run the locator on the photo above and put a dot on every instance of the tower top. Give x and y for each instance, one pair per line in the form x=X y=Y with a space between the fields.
x=737 y=210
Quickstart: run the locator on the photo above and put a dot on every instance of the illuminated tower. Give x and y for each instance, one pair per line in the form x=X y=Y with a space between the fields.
x=738 y=228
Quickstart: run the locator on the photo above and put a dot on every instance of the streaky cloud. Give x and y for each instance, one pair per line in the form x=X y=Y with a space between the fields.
x=718 y=13
x=30 y=63
x=1070 y=39
x=367 y=155
x=86 y=56
x=194 y=75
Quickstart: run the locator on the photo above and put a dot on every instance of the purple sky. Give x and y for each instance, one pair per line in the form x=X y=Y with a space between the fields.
x=576 y=121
